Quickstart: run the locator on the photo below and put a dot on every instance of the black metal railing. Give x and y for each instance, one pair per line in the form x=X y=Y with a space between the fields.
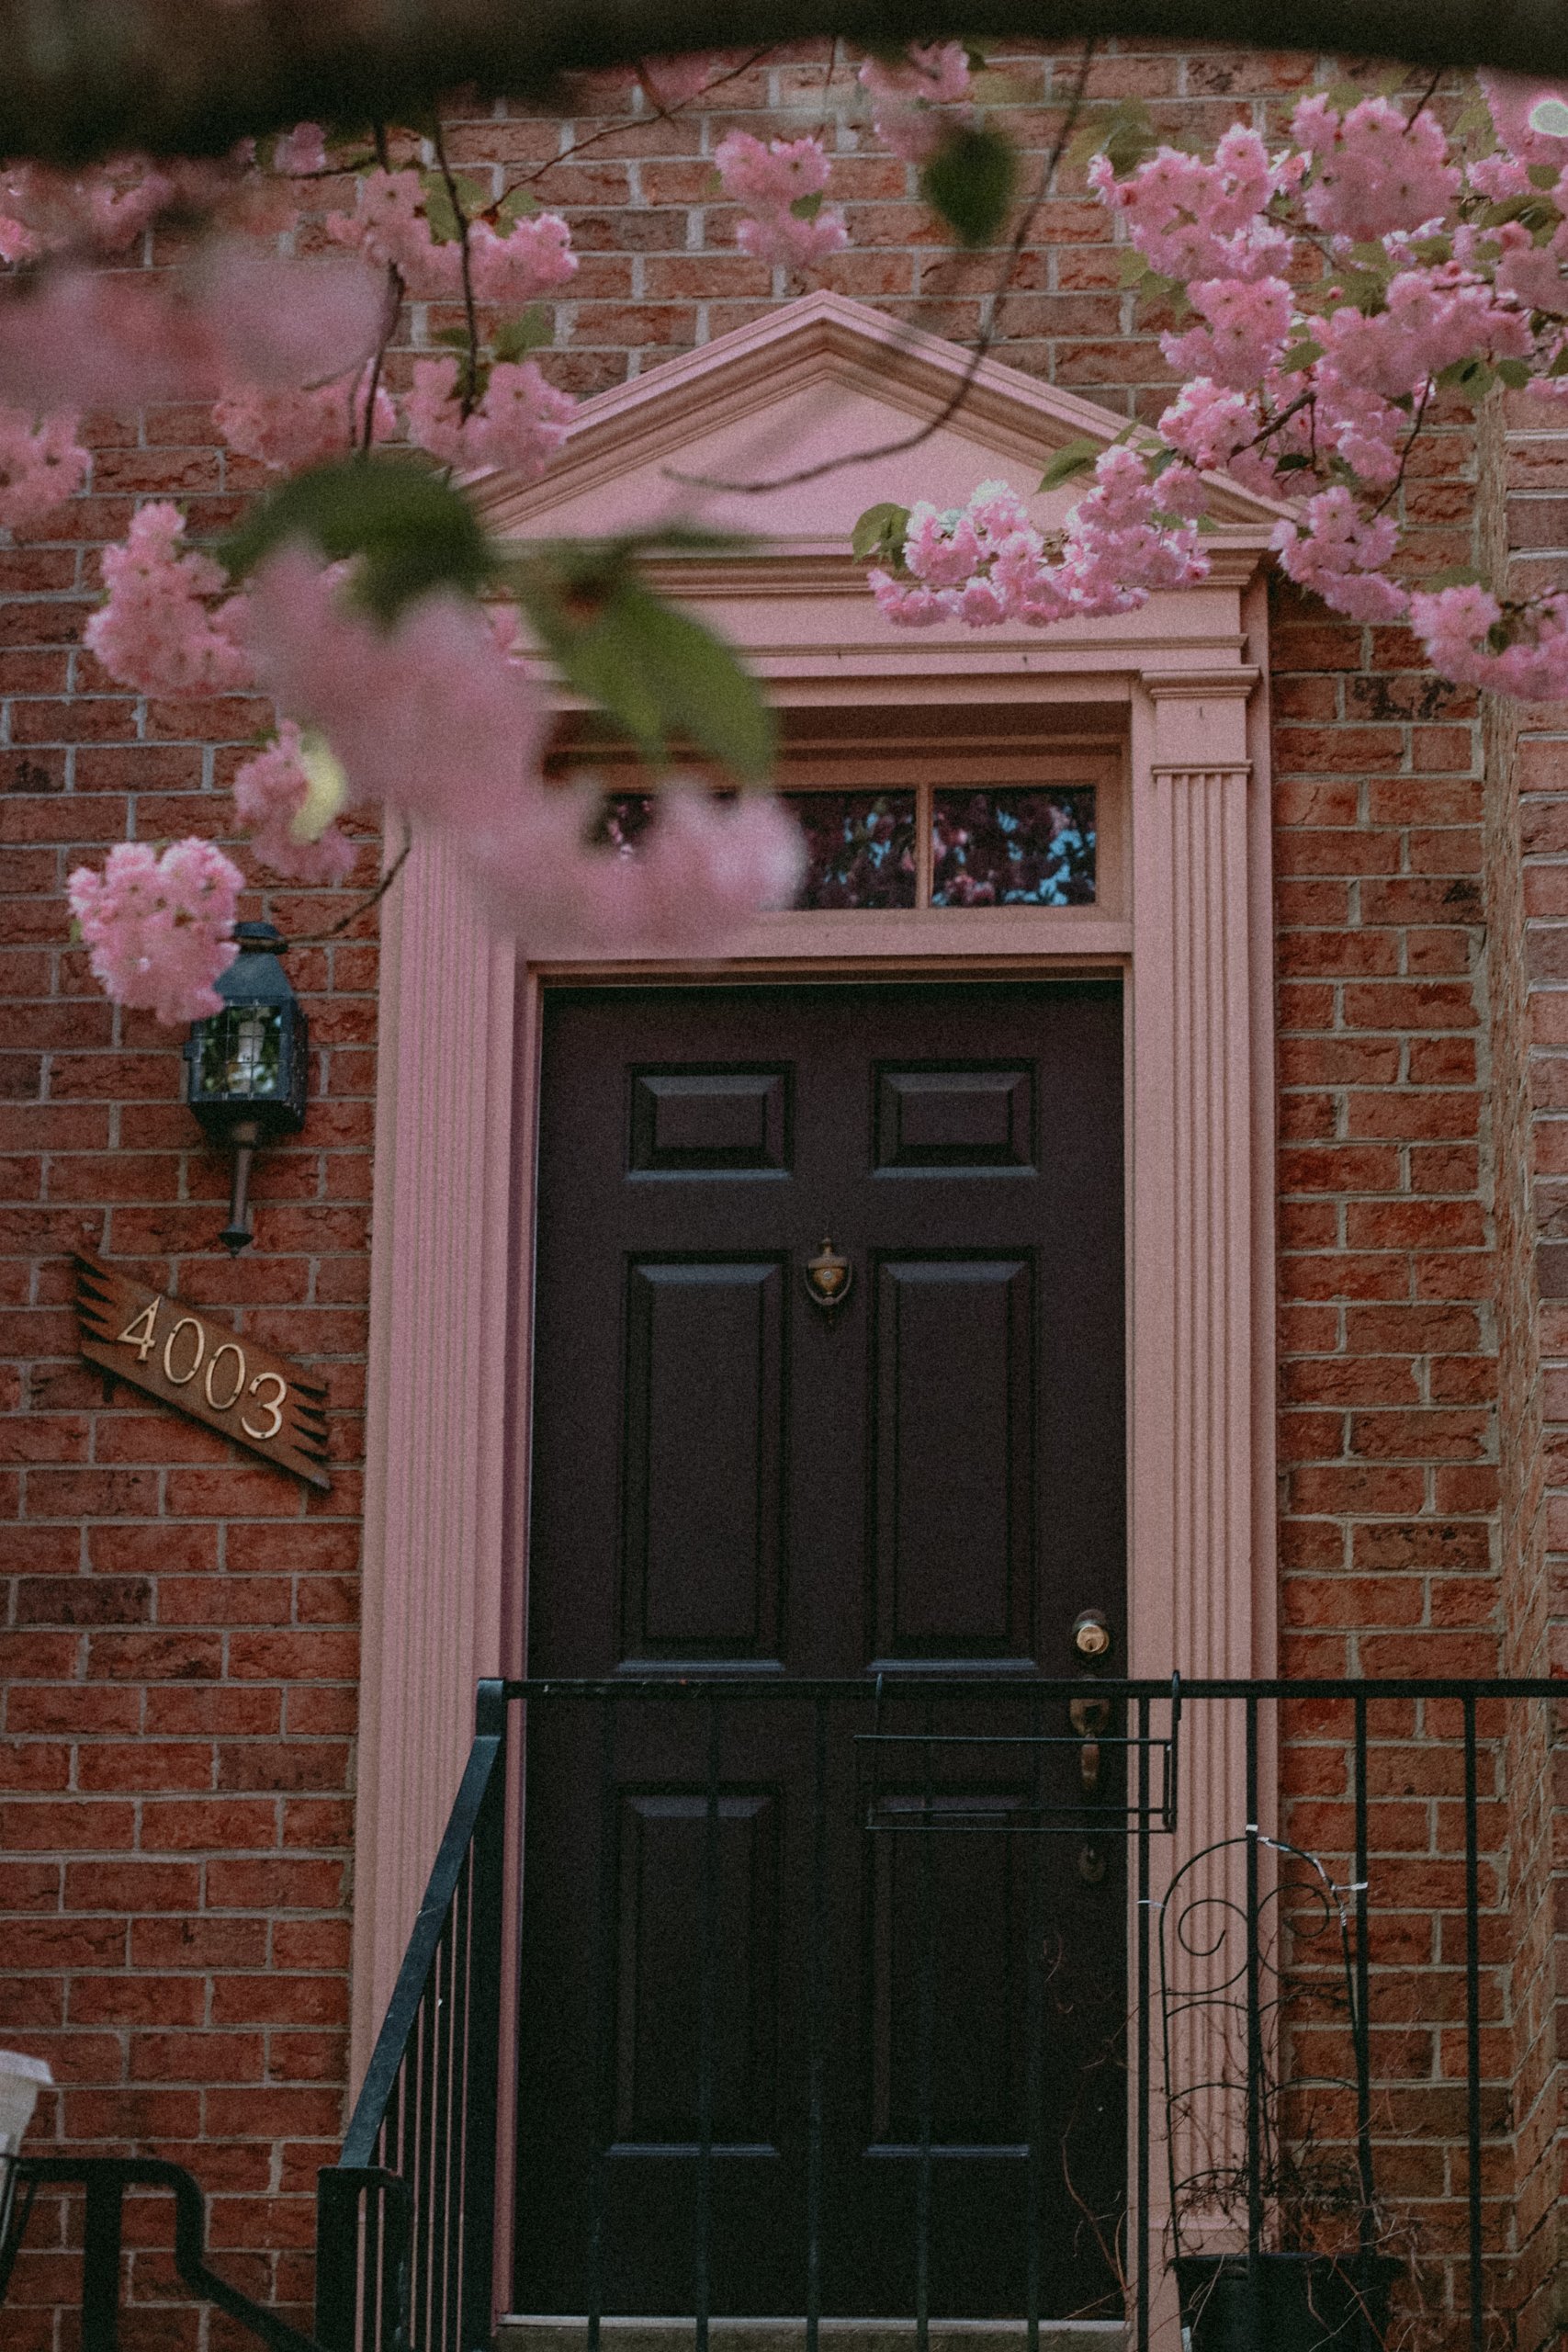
x=1319 y=1887
x=104 y=2181
x=406 y=2218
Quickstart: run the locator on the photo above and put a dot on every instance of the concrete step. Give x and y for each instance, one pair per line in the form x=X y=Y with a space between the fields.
x=523 y=2333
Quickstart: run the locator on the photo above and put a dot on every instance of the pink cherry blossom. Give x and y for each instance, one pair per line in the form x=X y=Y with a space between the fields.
x=301 y=150
x=1373 y=171
x=290 y=430
x=389 y=225
x=271 y=792
x=160 y=929
x=533 y=257
x=1207 y=422
x=40 y=465
x=1458 y=626
x=1513 y=98
x=1245 y=323
x=519 y=421
x=158 y=630
x=1190 y=218
x=1342 y=554
x=86 y=339
x=773 y=175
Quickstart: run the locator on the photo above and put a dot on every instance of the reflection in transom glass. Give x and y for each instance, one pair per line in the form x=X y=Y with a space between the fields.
x=860 y=848
x=1023 y=848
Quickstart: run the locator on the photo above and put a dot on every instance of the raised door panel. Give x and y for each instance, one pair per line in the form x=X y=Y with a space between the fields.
x=702 y=1459
x=659 y=1979
x=955 y=1445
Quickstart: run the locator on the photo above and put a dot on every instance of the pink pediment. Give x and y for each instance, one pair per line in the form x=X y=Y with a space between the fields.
x=813 y=383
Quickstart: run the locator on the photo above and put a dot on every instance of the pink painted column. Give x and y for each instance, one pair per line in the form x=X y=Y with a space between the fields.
x=438 y=1403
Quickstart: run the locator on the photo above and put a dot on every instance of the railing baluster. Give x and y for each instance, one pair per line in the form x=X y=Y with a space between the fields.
x=1361 y=2029
x=1034 y=2071
x=1140 y=2247
x=1255 y=2060
x=604 y=2015
x=100 y=2264
x=927 y=2032
x=453 y=2332
x=816 y=1968
x=1473 y=2023
x=481 y=2088
x=705 y=2030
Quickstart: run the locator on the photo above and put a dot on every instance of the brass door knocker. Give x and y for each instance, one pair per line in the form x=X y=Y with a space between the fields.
x=829 y=1276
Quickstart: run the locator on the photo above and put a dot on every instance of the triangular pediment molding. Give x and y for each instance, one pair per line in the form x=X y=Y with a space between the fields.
x=813 y=400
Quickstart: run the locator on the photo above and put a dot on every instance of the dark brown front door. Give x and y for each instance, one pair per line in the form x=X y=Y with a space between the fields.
x=734 y=1478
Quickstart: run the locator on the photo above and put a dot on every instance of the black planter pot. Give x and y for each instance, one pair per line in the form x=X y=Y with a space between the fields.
x=1306 y=2302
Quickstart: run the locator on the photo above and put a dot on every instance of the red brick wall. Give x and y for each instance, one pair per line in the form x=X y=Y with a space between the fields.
x=178 y=1625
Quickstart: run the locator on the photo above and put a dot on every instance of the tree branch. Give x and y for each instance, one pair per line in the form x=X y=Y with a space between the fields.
x=87 y=78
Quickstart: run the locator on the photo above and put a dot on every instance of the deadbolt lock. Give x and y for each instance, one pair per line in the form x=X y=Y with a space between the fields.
x=1091 y=1634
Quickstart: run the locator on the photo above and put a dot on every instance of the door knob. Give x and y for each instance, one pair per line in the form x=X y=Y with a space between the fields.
x=1091 y=1635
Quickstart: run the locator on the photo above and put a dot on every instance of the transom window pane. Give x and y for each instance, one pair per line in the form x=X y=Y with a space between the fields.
x=1018 y=848
x=860 y=848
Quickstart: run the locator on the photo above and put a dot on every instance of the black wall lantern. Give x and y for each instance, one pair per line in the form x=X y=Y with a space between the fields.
x=248 y=1063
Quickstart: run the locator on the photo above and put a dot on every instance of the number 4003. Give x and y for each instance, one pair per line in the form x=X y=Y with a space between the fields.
x=224 y=1371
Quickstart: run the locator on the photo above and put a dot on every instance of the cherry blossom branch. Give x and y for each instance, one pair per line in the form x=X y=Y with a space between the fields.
x=620 y=124
x=374 y=898
x=469 y=389
x=986 y=342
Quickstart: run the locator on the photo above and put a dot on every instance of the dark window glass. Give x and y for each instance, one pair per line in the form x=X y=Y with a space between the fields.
x=1022 y=848
x=860 y=848
x=622 y=819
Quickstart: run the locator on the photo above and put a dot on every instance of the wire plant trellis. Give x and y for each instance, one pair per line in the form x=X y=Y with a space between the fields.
x=1266 y=2069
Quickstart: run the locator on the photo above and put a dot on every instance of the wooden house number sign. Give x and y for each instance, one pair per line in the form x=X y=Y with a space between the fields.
x=237 y=1387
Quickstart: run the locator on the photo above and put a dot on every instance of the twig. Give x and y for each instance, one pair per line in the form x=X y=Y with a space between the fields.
x=378 y=360
x=627 y=122
x=455 y=198
x=324 y=938
x=1397 y=484
x=988 y=338
x=1427 y=94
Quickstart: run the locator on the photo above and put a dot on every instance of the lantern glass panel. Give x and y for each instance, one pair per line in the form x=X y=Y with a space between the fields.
x=241 y=1054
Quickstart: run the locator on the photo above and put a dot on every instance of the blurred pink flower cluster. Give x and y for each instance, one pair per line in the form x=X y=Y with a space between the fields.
x=272 y=797
x=161 y=628
x=918 y=99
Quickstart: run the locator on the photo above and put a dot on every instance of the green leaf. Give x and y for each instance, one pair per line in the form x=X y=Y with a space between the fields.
x=1542 y=175
x=439 y=210
x=532 y=332
x=1458 y=575
x=1074 y=457
x=878 y=537
x=1471 y=379
x=1132 y=269
x=655 y=670
x=1517 y=373
x=518 y=204
x=969 y=182
x=409 y=530
x=1125 y=136
x=1293 y=463
x=1300 y=355
x=807 y=208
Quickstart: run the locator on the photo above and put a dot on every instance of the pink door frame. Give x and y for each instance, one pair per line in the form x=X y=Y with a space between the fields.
x=445 y=1541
